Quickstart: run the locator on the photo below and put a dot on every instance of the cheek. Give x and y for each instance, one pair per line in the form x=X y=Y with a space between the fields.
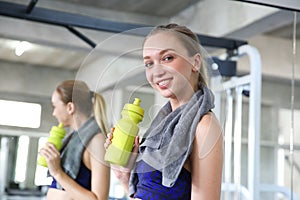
x=54 y=112
x=58 y=112
x=149 y=75
x=183 y=68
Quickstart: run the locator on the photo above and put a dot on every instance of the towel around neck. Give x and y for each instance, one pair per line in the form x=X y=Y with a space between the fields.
x=169 y=139
x=71 y=154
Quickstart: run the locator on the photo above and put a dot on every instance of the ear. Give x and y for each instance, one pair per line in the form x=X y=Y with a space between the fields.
x=197 y=62
x=70 y=108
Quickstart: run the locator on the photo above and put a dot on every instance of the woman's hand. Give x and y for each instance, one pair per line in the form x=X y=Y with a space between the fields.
x=52 y=157
x=123 y=173
x=133 y=155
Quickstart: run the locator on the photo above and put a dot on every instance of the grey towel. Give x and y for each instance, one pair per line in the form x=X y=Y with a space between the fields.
x=169 y=139
x=74 y=145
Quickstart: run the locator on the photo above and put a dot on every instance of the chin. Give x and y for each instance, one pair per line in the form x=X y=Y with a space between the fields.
x=166 y=93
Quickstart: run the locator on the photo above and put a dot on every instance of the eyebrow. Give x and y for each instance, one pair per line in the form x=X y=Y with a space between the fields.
x=161 y=52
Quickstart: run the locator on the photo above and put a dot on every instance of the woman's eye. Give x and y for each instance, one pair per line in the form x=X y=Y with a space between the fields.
x=148 y=64
x=168 y=58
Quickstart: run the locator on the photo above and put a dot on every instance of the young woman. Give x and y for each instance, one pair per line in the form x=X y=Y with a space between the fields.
x=78 y=170
x=181 y=154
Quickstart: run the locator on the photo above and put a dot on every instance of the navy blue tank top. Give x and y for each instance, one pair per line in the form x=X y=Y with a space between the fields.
x=150 y=186
x=83 y=178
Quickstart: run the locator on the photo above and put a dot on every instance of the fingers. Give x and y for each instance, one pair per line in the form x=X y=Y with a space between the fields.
x=109 y=137
x=112 y=129
x=51 y=146
x=136 y=144
x=107 y=143
x=49 y=151
x=108 y=140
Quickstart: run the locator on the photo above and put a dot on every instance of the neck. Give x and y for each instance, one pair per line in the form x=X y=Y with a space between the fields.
x=78 y=121
x=177 y=102
x=184 y=96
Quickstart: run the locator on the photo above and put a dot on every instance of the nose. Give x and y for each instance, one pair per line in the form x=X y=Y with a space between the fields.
x=158 y=70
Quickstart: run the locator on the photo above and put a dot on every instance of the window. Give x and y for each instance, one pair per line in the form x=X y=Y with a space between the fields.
x=20 y=114
x=21 y=162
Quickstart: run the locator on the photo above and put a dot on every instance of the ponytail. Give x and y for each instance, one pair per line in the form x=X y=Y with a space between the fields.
x=100 y=112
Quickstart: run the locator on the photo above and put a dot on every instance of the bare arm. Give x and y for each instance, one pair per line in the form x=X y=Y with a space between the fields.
x=207 y=160
x=100 y=169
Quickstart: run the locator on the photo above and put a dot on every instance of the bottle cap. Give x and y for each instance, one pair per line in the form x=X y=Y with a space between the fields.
x=135 y=107
x=58 y=130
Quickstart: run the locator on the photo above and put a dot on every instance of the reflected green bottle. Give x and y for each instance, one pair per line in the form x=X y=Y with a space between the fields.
x=57 y=133
x=124 y=134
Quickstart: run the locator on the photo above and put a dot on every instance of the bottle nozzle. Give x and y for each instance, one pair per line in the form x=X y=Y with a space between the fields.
x=60 y=125
x=136 y=101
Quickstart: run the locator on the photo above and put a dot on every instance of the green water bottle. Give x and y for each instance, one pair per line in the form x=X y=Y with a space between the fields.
x=124 y=134
x=57 y=133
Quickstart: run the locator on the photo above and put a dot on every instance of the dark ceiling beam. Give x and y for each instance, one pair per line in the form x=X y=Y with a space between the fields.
x=31 y=6
x=81 y=36
x=65 y=19
x=292 y=5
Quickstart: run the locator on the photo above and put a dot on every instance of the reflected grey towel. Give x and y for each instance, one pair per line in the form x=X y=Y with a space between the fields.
x=169 y=139
x=74 y=145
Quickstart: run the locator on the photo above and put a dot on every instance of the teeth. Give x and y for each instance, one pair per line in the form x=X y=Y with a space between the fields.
x=162 y=83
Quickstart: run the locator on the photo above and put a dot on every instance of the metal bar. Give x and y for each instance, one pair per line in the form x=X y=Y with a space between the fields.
x=237 y=140
x=228 y=140
x=214 y=82
x=81 y=36
x=227 y=43
x=3 y=165
x=62 y=18
x=297 y=167
x=31 y=6
x=254 y=79
x=254 y=119
x=293 y=5
x=233 y=82
x=75 y=20
x=9 y=132
x=287 y=147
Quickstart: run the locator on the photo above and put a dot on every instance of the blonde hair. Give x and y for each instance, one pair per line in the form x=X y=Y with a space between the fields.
x=87 y=102
x=100 y=112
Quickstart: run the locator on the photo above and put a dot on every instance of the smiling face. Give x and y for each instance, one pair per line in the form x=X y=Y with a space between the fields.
x=169 y=69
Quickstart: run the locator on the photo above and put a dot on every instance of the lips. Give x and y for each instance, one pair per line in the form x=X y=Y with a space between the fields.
x=163 y=83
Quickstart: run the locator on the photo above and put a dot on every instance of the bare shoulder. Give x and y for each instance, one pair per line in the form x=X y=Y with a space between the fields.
x=99 y=138
x=208 y=123
x=96 y=146
x=208 y=133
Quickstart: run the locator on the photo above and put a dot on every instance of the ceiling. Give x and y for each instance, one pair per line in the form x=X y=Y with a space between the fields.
x=55 y=46
x=146 y=7
x=57 y=41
